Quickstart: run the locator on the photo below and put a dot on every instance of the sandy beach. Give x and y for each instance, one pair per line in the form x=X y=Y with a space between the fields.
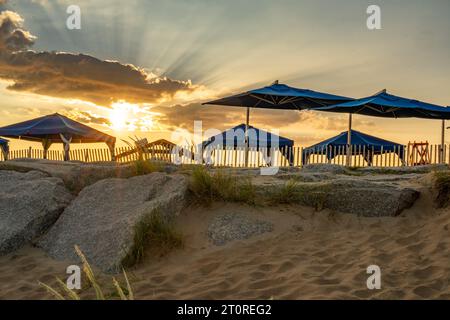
x=309 y=255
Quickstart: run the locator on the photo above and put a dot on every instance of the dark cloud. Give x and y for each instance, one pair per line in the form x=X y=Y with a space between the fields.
x=75 y=76
x=12 y=36
x=78 y=76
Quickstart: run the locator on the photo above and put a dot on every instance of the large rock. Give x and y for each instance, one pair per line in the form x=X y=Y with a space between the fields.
x=78 y=175
x=356 y=195
x=403 y=170
x=75 y=175
x=325 y=168
x=29 y=204
x=236 y=226
x=369 y=199
x=102 y=219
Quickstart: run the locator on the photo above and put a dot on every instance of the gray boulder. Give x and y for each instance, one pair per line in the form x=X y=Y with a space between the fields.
x=369 y=199
x=325 y=167
x=102 y=219
x=357 y=195
x=403 y=170
x=236 y=226
x=77 y=175
x=29 y=204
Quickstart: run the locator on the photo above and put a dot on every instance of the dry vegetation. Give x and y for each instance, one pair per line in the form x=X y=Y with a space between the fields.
x=442 y=188
x=66 y=293
x=221 y=186
x=156 y=234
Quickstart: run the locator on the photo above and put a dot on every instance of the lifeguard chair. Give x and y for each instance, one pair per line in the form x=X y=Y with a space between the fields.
x=419 y=153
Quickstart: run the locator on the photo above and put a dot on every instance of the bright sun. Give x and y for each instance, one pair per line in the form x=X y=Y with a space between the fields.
x=126 y=116
x=118 y=116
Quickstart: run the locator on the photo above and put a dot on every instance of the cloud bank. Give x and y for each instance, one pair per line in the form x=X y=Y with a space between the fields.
x=75 y=76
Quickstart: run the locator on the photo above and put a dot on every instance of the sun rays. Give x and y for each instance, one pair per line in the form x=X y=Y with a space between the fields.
x=124 y=116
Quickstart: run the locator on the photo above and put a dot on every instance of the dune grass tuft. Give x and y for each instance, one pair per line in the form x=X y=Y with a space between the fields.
x=221 y=186
x=142 y=167
x=156 y=234
x=285 y=195
x=442 y=187
x=66 y=293
x=294 y=192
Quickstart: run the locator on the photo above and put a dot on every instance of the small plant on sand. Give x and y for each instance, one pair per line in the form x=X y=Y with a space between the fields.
x=221 y=186
x=123 y=294
x=295 y=193
x=142 y=167
x=285 y=195
x=442 y=187
x=155 y=233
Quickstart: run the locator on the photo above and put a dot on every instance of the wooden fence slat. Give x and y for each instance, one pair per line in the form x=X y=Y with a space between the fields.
x=257 y=156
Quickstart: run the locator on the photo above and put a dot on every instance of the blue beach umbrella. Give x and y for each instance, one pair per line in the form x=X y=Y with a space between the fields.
x=4 y=147
x=369 y=146
x=383 y=104
x=387 y=105
x=56 y=128
x=259 y=139
x=279 y=96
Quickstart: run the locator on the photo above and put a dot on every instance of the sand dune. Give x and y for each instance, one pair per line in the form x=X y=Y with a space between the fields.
x=309 y=255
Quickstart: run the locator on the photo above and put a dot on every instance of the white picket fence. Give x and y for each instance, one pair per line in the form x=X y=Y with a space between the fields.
x=236 y=157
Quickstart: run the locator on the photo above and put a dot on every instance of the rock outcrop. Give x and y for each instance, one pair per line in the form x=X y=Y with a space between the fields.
x=102 y=219
x=77 y=175
x=29 y=204
x=369 y=199
x=236 y=226
x=356 y=195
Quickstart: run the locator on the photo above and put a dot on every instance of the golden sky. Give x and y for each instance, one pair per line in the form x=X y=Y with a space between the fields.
x=143 y=68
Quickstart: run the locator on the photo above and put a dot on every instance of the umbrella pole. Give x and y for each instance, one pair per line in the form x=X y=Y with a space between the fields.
x=442 y=152
x=349 y=140
x=246 y=136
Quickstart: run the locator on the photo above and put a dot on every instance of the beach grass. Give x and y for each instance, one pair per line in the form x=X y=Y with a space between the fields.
x=65 y=293
x=142 y=167
x=293 y=192
x=287 y=194
x=221 y=186
x=156 y=234
x=442 y=188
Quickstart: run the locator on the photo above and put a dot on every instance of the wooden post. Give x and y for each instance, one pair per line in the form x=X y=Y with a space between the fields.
x=112 y=149
x=441 y=151
x=349 y=140
x=247 y=122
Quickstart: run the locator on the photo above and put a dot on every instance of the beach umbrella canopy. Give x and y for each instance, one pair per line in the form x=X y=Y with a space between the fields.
x=367 y=146
x=4 y=147
x=56 y=128
x=234 y=138
x=280 y=96
x=51 y=127
x=260 y=139
x=387 y=105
